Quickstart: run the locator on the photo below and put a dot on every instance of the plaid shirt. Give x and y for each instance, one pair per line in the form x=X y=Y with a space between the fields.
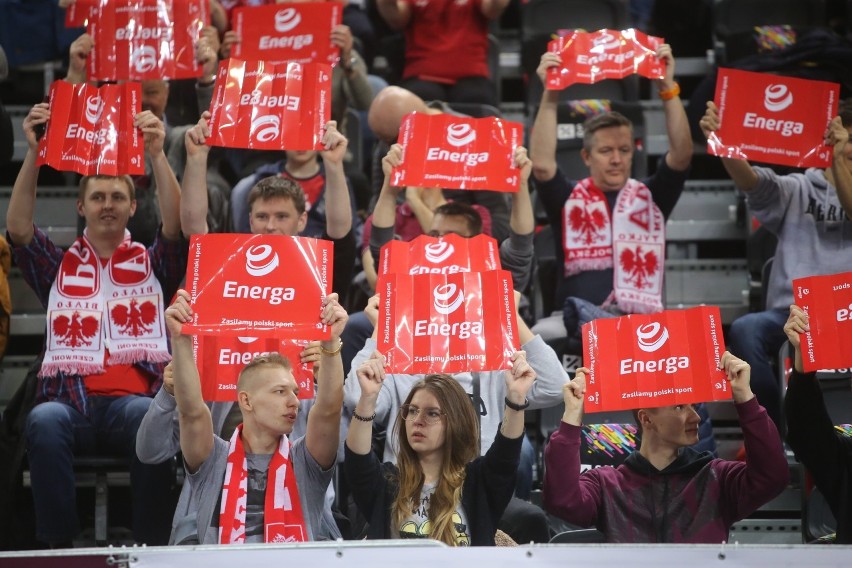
x=39 y=263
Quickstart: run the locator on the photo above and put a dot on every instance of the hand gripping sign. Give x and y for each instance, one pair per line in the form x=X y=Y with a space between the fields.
x=91 y=130
x=277 y=33
x=773 y=119
x=589 y=57
x=258 y=285
x=645 y=361
x=455 y=152
x=137 y=40
x=440 y=255
x=828 y=302
x=458 y=322
x=264 y=106
x=220 y=360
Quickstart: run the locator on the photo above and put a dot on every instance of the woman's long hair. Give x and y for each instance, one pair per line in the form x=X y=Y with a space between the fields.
x=461 y=446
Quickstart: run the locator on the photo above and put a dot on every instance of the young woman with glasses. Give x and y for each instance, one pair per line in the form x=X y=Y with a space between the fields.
x=440 y=488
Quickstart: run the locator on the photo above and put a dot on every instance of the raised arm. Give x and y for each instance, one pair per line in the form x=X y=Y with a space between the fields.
x=519 y=379
x=837 y=136
x=196 y=424
x=740 y=171
x=567 y=494
x=359 y=94
x=522 y=220
x=677 y=126
x=543 y=136
x=193 y=203
x=384 y=213
x=21 y=212
x=168 y=189
x=338 y=208
x=323 y=431
x=370 y=375
x=396 y=13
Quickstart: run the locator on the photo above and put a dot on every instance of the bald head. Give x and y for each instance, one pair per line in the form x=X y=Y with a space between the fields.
x=388 y=109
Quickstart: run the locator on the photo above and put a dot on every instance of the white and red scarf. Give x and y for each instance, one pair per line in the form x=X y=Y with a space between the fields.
x=635 y=236
x=282 y=511
x=93 y=307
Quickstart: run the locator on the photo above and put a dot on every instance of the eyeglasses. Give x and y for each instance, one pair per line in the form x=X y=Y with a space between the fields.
x=430 y=415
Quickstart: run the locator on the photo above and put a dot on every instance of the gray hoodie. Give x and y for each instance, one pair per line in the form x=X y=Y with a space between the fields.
x=814 y=234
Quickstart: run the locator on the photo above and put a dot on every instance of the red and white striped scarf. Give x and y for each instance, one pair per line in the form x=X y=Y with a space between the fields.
x=635 y=235
x=92 y=307
x=282 y=511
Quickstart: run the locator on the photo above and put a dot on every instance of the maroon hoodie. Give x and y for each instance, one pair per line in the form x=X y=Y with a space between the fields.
x=695 y=499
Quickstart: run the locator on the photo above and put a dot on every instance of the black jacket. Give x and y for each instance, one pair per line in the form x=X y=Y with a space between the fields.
x=824 y=451
x=488 y=487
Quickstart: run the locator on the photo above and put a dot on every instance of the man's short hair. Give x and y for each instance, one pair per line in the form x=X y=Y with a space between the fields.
x=81 y=194
x=274 y=187
x=262 y=362
x=458 y=209
x=844 y=111
x=610 y=119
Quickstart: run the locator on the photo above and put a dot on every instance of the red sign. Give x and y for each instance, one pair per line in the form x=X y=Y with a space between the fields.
x=91 y=130
x=137 y=40
x=589 y=57
x=440 y=255
x=278 y=33
x=258 y=285
x=773 y=119
x=454 y=152
x=264 y=106
x=645 y=361
x=78 y=13
x=220 y=360
x=448 y=328
x=828 y=302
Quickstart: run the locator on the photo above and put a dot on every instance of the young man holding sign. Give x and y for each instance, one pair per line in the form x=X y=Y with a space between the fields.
x=260 y=461
x=106 y=343
x=806 y=214
x=666 y=492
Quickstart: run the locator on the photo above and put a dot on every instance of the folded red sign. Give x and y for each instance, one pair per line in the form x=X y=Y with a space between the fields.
x=298 y=33
x=91 y=130
x=448 y=329
x=220 y=360
x=440 y=255
x=454 y=152
x=828 y=302
x=137 y=40
x=264 y=106
x=773 y=119
x=258 y=285
x=645 y=361
x=589 y=57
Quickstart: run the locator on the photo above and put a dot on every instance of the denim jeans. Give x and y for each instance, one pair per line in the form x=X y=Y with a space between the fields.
x=57 y=432
x=756 y=338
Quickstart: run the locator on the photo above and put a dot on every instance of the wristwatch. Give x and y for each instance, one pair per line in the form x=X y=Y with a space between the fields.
x=348 y=65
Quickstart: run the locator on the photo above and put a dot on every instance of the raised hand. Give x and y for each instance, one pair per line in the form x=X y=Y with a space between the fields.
x=78 y=53
x=178 y=313
x=333 y=315
x=739 y=375
x=519 y=378
x=370 y=375
x=196 y=137
x=548 y=60
x=710 y=121
x=334 y=143
x=573 y=394
x=521 y=160
x=153 y=132
x=37 y=116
